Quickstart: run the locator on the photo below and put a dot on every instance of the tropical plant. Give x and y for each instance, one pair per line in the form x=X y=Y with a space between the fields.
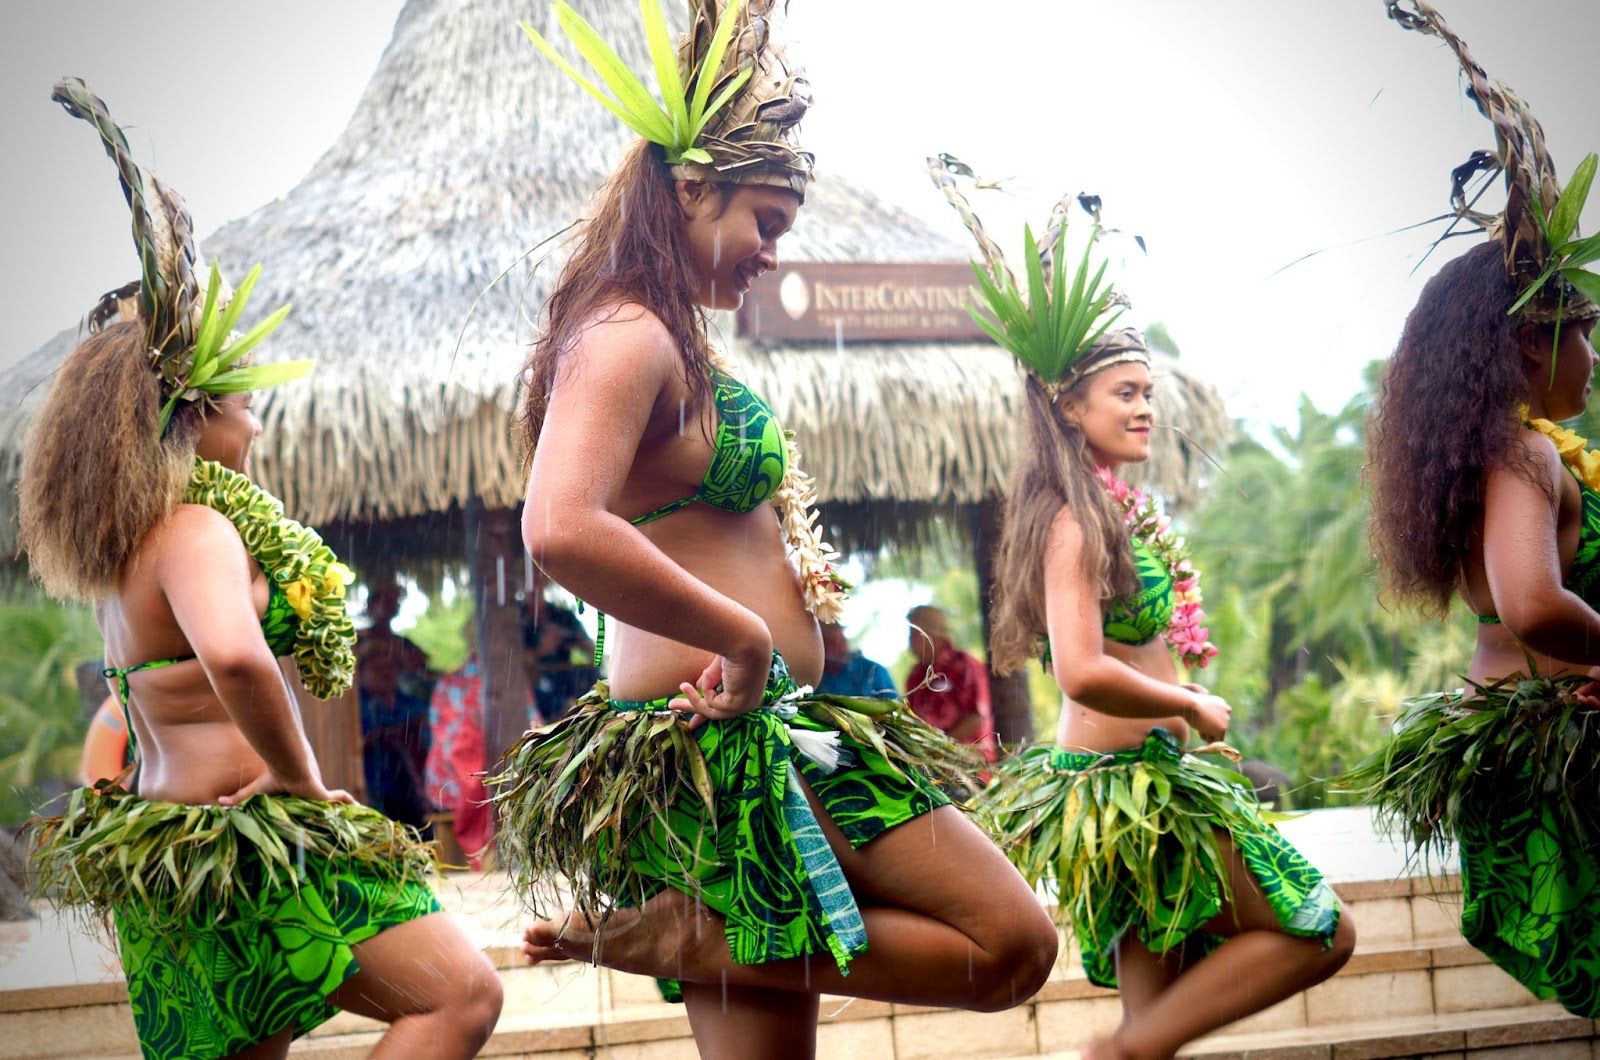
x=42 y=719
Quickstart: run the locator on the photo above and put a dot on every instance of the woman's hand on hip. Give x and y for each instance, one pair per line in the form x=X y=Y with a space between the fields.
x=730 y=686
x=269 y=783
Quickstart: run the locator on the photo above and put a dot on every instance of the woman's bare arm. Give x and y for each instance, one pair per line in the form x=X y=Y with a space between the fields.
x=1522 y=560
x=607 y=389
x=1083 y=670
x=205 y=573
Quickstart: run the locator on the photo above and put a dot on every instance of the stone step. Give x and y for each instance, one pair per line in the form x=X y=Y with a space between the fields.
x=1527 y=1032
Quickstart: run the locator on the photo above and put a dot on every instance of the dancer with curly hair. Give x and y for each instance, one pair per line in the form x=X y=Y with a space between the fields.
x=250 y=902
x=1477 y=495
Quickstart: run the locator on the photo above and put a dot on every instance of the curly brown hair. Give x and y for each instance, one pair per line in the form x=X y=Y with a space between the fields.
x=633 y=249
x=1445 y=415
x=95 y=480
x=1053 y=469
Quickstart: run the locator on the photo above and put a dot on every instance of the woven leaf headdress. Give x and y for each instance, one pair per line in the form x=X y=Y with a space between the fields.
x=188 y=320
x=1537 y=230
x=1058 y=326
x=729 y=103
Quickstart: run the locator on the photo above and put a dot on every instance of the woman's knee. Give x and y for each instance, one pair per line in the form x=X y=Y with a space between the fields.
x=1343 y=944
x=478 y=999
x=1021 y=952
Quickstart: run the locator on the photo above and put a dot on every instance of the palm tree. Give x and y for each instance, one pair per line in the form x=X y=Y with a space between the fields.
x=42 y=720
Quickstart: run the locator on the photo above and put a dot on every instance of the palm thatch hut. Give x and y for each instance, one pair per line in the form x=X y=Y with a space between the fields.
x=403 y=253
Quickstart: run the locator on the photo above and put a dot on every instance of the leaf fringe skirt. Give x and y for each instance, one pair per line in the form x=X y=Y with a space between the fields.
x=620 y=800
x=1511 y=776
x=1128 y=841
x=233 y=924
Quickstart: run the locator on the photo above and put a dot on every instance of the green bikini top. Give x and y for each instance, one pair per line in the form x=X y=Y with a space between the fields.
x=749 y=453
x=1144 y=616
x=1583 y=579
x=749 y=457
x=279 y=624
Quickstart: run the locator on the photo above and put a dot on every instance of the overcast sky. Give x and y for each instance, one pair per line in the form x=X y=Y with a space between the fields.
x=1234 y=135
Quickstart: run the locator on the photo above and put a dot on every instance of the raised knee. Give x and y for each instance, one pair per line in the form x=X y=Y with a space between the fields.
x=1022 y=960
x=1343 y=944
x=476 y=1008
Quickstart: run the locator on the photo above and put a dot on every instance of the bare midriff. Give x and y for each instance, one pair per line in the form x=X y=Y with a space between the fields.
x=1081 y=728
x=1499 y=654
x=740 y=555
x=190 y=751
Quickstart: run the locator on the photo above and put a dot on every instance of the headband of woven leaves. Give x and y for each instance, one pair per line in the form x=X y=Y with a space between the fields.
x=1538 y=229
x=188 y=321
x=729 y=104
x=1059 y=327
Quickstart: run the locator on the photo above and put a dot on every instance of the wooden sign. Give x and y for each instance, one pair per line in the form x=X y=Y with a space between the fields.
x=862 y=302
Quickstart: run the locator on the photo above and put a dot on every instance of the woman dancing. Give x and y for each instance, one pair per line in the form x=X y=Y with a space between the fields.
x=1179 y=892
x=758 y=827
x=1478 y=496
x=251 y=903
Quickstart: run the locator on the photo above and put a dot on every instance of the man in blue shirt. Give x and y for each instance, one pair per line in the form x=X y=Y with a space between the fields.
x=849 y=673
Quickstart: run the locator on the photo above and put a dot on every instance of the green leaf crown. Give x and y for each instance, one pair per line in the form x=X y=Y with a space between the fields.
x=1061 y=316
x=729 y=103
x=189 y=323
x=1538 y=227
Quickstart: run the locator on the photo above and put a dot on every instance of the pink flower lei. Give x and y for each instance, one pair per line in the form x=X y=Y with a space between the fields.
x=1185 y=634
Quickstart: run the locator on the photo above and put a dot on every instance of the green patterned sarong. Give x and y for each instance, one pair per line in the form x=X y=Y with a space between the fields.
x=1511 y=776
x=1128 y=841
x=718 y=813
x=210 y=975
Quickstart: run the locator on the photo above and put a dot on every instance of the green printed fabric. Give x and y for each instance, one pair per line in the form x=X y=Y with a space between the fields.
x=757 y=854
x=622 y=800
x=237 y=976
x=750 y=455
x=1510 y=774
x=1531 y=902
x=1145 y=615
x=1128 y=841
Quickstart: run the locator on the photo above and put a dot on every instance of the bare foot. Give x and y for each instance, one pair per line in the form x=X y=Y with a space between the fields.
x=671 y=937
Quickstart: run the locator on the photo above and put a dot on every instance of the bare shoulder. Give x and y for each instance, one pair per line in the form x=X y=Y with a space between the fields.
x=621 y=340
x=1532 y=458
x=197 y=533
x=1066 y=533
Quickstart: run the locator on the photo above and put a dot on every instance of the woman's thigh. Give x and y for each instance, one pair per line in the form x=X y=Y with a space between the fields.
x=941 y=865
x=415 y=967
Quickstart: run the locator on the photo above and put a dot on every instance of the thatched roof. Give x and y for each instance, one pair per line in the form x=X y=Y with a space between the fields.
x=466 y=150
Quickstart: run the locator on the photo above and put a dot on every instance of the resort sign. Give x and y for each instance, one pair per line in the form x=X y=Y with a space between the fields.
x=862 y=302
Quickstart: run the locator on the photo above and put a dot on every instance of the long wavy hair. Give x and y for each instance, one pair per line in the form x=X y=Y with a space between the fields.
x=1446 y=414
x=95 y=479
x=1053 y=469
x=633 y=249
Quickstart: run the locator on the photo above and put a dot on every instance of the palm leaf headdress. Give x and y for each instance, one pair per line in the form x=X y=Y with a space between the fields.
x=1538 y=228
x=729 y=104
x=188 y=320
x=1058 y=326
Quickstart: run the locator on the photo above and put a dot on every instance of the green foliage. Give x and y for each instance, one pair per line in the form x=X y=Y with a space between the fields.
x=441 y=631
x=1157 y=337
x=42 y=720
x=1312 y=661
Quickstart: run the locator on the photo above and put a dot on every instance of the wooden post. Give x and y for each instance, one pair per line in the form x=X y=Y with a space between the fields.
x=495 y=559
x=333 y=728
x=1013 y=708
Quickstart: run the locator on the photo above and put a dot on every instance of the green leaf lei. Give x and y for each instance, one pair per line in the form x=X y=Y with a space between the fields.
x=298 y=563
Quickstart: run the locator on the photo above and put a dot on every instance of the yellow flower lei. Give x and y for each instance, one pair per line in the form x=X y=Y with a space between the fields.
x=296 y=561
x=1574 y=450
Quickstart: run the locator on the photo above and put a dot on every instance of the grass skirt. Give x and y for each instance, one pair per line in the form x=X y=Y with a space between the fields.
x=1510 y=776
x=234 y=924
x=621 y=800
x=1128 y=840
